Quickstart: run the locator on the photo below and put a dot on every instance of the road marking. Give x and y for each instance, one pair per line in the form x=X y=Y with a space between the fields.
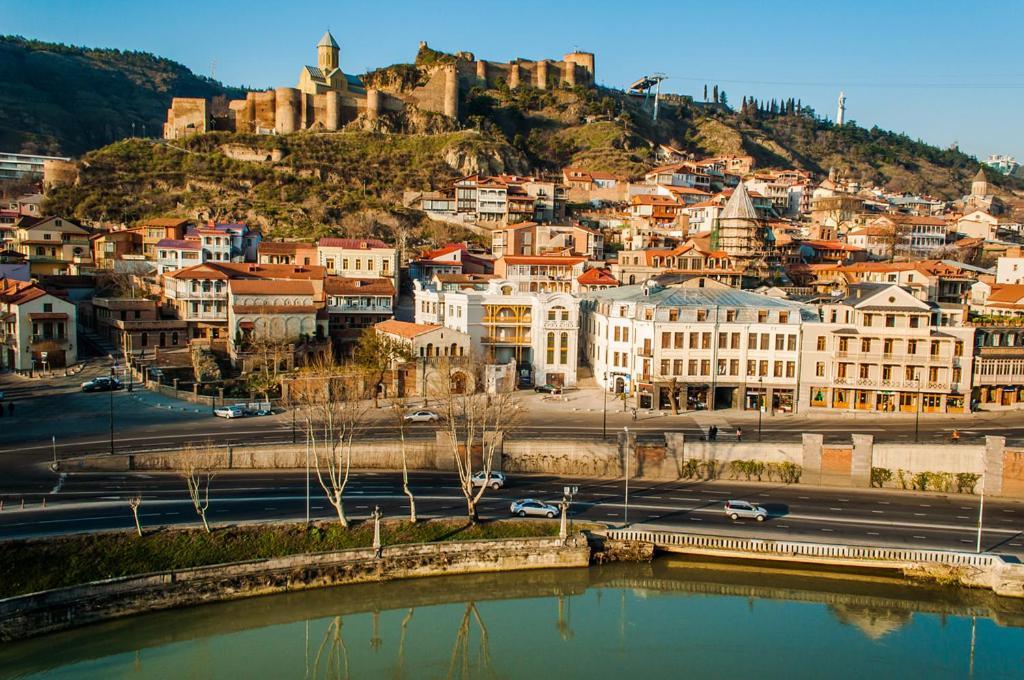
x=962 y=517
x=828 y=530
x=843 y=500
x=782 y=526
x=677 y=498
x=804 y=498
x=839 y=509
x=763 y=494
x=924 y=505
x=920 y=514
x=921 y=537
x=884 y=503
x=873 y=533
x=878 y=512
x=696 y=519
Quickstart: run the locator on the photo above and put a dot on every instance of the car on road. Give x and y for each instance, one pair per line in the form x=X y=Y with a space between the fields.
x=422 y=416
x=533 y=508
x=234 y=411
x=548 y=388
x=737 y=509
x=101 y=384
x=495 y=480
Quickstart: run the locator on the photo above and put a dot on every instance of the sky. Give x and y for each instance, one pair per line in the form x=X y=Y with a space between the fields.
x=942 y=71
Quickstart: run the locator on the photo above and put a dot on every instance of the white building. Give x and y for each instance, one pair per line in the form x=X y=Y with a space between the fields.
x=37 y=329
x=703 y=347
x=357 y=258
x=1010 y=270
x=172 y=254
x=539 y=331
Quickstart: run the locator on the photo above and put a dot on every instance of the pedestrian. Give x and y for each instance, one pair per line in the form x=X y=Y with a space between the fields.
x=634 y=413
x=955 y=436
x=713 y=433
x=739 y=434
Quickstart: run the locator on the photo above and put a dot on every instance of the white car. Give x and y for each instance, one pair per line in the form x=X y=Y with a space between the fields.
x=737 y=509
x=422 y=417
x=235 y=411
x=535 y=508
x=495 y=480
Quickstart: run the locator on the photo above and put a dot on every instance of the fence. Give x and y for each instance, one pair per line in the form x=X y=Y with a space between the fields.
x=791 y=549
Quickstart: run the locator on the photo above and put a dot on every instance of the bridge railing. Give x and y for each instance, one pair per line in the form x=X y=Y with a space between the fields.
x=769 y=546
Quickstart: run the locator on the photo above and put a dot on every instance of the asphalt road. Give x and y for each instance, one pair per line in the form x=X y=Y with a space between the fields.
x=97 y=501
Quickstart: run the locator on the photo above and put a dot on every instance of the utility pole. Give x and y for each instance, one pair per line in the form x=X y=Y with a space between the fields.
x=981 y=513
x=626 y=454
x=112 y=378
x=604 y=411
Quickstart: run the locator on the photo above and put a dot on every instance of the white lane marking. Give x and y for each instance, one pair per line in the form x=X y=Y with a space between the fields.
x=884 y=503
x=878 y=512
x=920 y=514
x=962 y=517
x=839 y=509
x=828 y=529
x=922 y=537
x=873 y=533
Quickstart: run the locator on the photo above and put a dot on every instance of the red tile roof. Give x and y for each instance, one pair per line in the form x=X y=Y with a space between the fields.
x=405 y=329
x=597 y=277
x=270 y=287
x=339 y=285
x=352 y=243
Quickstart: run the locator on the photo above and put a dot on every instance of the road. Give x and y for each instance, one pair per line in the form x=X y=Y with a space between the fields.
x=97 y=501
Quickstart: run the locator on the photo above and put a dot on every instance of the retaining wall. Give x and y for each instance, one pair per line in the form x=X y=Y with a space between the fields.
x=63 y=608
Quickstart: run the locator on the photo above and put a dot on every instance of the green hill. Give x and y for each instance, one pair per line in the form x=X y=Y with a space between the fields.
x=65 y=100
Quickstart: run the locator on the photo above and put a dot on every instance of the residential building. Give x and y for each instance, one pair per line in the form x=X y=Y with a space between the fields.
x=537 y=330
x=277 y=310
x=353 y=305
x=357 y=258
x=875 y=241
x=594 y=279
x=287 y=252
x=920 y=235
x=698 y=348
x=680 y=175
x=657 y=208
x=230 y=242
x=135 y=325
x=978 y=224
x=157 y=229
x=38 y=330
x=541 y=274
x=589 y=180
x=425 y=340
x=172 y=254
x=200 y=294
x=23 y=166
x=999 y=360
x=878 y=348
x=53 y=245
x=1010 y=269
x=693 y=258
x=110 y=246
x=531 y=238
x=453 y=258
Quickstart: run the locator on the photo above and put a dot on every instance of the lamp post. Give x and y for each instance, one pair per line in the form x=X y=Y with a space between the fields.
x=917 y=412
x=604 y=411
x=112 y=378
x=307 y=477
x=626 y=454
x=760 y=404
x=981 y=513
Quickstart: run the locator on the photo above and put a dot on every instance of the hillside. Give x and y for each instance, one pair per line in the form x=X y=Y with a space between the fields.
x=302 y=185
x=65 y=100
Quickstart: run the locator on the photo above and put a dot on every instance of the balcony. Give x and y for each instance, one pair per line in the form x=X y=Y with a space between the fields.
x=44 y=343
x=524 y=320
x=506 y=340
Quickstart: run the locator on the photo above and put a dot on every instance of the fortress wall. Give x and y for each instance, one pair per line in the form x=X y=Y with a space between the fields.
x=265 y=106
x=332 y=110
x=186 y=116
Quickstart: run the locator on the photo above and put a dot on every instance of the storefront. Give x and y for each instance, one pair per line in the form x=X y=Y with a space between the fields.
x=886 y=402
x=782 y=401
x=697 y=397
x=754 y=398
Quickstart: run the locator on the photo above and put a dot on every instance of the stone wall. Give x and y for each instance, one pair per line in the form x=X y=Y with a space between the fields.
x=670 y=457
x=55 y=610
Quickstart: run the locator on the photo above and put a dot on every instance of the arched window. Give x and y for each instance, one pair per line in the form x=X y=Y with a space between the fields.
x=163 y=339
x=563 y=350
x=430 y=349
x=551 y=348
x=454 y=350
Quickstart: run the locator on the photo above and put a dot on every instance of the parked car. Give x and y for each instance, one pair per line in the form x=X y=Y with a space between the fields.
x=548 y=388
x=423 y=416
x=496 y=480
x=234 y=411
x=534 y=508
x=737 y=509
x=101 y=384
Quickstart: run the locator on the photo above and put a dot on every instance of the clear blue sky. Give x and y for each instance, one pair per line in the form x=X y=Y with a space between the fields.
x=938 y=70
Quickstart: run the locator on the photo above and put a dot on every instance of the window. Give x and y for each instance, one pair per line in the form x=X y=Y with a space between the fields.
x=844 y=344
x=868 y=318
x=673 y=315
x=791 y=342
x=723 y=341
x=890 y=320
x=702 y=315
x=762 y=367
x=821 y=343
x=664 y=366
x=752 y=341
x=666 y=340
x=47 y=306
x=764 y=341
x=677 y=340
x=956 y=374
x=616 y=334
x=783 y=317
x=730 y=315
x=691 y=368
x=722 y=366
x=865 y=345
x=958 y=349
x=705 y=340
x=933 y=374
x=677 y=367
x=864 y=371
x=705 y=367
x=734 y=341
x=751 y=368
x=563 y=350
x=819 y=369
x=910 y=373
x=790 y=369
x=734 y=366
x=777 y=369
x=887 y=372
x=887 y=346
x=551 y=350
x=915 y=322
x=762 y=316
x=694 y=340
x=911 y=346
x=780 y=343
x=384 y=265
x=625 y=333
x=934 y=350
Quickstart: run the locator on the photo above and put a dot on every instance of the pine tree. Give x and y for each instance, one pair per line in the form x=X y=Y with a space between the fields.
x=705 y=92
x=799 y=107
x=714 y=94
x=722 y=99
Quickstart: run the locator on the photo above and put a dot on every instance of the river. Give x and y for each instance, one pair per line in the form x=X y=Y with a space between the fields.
x=671 y=618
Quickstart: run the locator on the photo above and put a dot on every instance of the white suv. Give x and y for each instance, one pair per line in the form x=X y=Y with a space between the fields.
x=737 y=509
x=495 y=481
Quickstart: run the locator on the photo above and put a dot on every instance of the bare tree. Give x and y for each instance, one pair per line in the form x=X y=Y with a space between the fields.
x=334 y=413
x=460 y=664
x=475 y=424
x=134 y=504
x=400 y=409
x=197 y=467
x=336 y=660
x=377 y=355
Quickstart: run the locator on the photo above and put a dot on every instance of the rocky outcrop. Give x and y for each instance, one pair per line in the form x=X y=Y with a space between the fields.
x=468 y=157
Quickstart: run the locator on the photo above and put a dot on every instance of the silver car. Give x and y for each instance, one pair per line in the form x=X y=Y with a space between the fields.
x=738 y=509
x=534 y=508
x=422 y=416
x=495 y=480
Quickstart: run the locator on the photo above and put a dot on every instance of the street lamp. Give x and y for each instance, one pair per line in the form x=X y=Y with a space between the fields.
x=604 y=411
x=113 y=373
x=760 y=404
x=626 y=454
x=567 y=495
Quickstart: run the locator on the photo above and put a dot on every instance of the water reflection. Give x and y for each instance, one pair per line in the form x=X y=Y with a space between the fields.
x=664 y=617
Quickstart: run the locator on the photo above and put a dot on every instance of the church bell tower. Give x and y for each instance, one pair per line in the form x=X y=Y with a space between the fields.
x=327 y=57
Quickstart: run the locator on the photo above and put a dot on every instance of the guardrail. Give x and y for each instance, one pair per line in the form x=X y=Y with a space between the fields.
x=800 y=549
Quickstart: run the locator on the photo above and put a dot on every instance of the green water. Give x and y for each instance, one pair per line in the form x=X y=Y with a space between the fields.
x=667 y=619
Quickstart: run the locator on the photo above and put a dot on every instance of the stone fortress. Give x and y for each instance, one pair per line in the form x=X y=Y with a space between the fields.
x=326 y=98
